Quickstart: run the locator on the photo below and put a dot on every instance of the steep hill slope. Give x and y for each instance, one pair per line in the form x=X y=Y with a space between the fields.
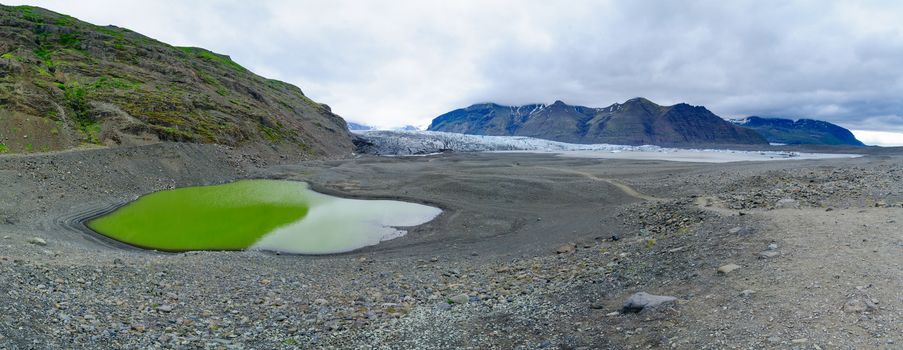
x=635 y=122
x=64 y=82
x=799 y=132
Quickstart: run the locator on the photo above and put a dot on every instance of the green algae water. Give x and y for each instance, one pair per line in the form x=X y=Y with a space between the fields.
x=274 y=215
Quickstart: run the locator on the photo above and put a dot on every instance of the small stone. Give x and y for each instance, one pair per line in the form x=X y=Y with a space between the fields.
x=321 y=301
x=459 y=299
x=740 y=230
x=799 y=341
x=787 y=203
x=829 y=209
x=37 y=241
x=772 y=246
x=566 y=248
x=859 y=305
x=746 y=293
x=728 y=268
x=642 y=300
x=165 y=308
x=597 y=306
x=768 y=254
x=613 y=313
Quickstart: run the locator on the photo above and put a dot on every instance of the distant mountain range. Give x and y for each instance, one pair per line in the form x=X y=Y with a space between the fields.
x=802 y=131
x=359 y=127
x=364 y=127
x=637 y=121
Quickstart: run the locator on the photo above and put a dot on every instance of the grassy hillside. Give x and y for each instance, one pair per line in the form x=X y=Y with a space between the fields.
x=65 y=83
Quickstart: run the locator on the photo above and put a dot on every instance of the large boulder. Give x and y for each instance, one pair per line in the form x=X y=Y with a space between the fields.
x=643 y=301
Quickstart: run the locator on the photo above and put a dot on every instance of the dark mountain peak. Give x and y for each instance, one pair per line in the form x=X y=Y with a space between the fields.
x=799 y=131
x=636 y=121
x=640 y=101
x=485 y=105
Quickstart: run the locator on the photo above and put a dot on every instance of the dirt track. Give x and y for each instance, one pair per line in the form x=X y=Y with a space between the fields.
x=504 y=217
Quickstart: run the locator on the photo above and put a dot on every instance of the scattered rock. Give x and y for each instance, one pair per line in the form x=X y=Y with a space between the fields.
x=768 y=254
x=165 y=308
x=740 y=230
x=772 y=246
x=37 y=241
x=746 y=293
x=642 y=300
x=859 y=304
x=787 y=203
x=459 y=299
x=799 y=341
x=728 y=268
x=566 y=248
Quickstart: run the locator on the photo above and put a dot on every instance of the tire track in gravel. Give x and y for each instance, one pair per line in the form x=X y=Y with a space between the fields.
x=627 y=189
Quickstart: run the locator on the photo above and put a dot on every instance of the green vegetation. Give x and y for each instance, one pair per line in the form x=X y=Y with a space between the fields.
x=223 y=217
x=42 y=53
x=271 y=134
x=29 y=14
x=4 y=148
x=213 y=57
x=145 y=79
x=75 y=95
x=109 y=83
x=69 y=39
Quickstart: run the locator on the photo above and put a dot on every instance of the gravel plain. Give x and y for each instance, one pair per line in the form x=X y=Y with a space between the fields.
x=531 y=251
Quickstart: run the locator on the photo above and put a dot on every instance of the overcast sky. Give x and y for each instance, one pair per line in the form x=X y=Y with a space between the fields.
x=390 y=63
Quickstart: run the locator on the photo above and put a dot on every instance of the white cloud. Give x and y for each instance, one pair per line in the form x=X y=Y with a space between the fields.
x=879 y=138
x=406 y=61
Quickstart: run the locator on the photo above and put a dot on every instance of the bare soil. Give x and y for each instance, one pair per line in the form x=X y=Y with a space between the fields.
x=537 y=251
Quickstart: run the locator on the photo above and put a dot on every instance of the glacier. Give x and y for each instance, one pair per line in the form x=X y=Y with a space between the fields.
x=414 y=143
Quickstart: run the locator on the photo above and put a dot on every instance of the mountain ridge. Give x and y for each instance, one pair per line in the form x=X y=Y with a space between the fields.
x=634 y=122
x=65 y=83
x=799 y=131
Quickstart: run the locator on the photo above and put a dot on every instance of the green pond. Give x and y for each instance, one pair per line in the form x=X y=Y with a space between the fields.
x=284 y=216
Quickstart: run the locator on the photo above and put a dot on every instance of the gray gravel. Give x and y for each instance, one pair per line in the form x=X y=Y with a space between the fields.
x=489 y=273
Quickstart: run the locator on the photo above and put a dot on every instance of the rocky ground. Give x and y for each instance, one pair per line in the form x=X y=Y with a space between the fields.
x=532 y=251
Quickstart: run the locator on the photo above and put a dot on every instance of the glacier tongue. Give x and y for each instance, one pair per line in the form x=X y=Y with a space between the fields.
x=407 y=143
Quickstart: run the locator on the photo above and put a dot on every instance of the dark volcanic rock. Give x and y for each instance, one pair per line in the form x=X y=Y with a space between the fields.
x=797 y=132
x=635 y=122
